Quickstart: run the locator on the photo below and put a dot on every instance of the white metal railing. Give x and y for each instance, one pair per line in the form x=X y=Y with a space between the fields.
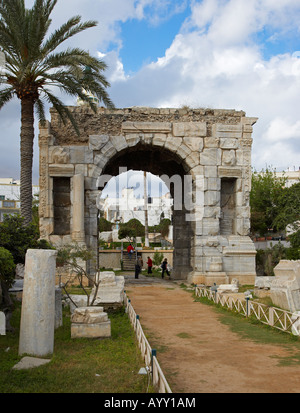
x=275 y=317
x=149 y=355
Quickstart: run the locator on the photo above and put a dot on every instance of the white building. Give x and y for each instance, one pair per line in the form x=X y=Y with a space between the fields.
x=10 y=196
x=128 y=206
x=292 y=176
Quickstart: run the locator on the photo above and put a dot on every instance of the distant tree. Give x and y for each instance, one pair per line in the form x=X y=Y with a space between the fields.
x=265 y=200
x=295 y=241
x=131 y=229
x=162 y=227
x=289 y=208
x=104 y=225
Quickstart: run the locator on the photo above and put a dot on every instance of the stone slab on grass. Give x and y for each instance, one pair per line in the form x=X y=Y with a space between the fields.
x=30 y=362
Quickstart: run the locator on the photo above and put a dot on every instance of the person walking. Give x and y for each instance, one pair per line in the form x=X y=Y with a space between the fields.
x=149 y=263
x=164 y=267
x=130 y=251
x=138 y=267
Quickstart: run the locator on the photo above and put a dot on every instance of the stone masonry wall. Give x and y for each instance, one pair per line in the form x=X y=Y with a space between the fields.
x=109 y=122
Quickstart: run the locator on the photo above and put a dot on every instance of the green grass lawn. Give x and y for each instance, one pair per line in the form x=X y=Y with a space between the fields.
x=82 y=365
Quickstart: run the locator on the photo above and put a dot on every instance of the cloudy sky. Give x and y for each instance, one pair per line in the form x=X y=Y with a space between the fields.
x=223 y=54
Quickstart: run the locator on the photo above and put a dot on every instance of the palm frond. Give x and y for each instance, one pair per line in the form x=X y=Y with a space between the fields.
x=6 y=95
x=40 y=108
x=61 y=109
x=67 y=30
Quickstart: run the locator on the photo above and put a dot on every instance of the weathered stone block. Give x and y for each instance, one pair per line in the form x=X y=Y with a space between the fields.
x=132 y=139
x=211 y=156
x=108 y=150
x=229 y=143
x=211 y=198
x=229 y=158
x=98 y=330
x=119 y=142
x=159 y=139
x=189 y=129
x=285 y=289
x=89 y=315
x=173 y=143
x=96 y=142
x=229 y=172
x=195 y=144
x=192 y=160
x=183 y=151
x=111 y=289
x=211 y=142
x=146 y=127
x=61 y=170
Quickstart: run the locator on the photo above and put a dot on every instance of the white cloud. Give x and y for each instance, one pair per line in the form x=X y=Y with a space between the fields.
x=115 y=70
x=280 y=130
x=214 y=62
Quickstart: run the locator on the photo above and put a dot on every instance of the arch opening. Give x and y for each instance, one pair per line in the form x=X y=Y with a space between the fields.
x=171 y=170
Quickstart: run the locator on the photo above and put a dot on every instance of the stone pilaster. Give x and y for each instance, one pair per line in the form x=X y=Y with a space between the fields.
x=78 y=233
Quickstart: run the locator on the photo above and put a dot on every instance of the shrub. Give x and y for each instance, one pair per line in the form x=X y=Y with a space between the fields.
x=157 y=258
x=267 y=259
x=17 y=237
x=7 y=267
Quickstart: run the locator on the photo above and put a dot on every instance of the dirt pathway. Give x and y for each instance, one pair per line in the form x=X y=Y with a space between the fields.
x=199 y=354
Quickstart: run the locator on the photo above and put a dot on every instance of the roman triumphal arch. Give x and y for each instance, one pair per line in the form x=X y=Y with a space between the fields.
x=204 y=155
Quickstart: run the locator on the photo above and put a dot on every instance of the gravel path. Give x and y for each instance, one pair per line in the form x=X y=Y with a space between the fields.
x=199 y=354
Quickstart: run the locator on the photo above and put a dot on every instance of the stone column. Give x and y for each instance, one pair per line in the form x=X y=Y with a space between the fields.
x=78 y=233
x=38 y=303
x=2 y=324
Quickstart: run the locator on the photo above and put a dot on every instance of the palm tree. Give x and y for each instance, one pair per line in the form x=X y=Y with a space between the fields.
x=34 y=68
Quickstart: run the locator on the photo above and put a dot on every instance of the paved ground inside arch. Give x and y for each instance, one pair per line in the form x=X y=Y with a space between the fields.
x=198 y=353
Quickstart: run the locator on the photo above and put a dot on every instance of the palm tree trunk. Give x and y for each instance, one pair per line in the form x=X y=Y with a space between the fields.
x=27 y=136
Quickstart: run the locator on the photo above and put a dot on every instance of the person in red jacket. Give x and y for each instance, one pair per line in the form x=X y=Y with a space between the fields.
x=149 y=263
x=130 y=250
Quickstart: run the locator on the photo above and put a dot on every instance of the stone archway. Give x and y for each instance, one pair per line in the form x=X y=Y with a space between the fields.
x=172 y=169
x=211 y=147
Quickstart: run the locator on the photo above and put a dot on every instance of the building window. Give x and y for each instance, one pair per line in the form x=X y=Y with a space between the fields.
x=8 y=204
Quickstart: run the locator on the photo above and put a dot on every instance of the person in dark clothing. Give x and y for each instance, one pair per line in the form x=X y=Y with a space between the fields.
x=137 y=270
x=138 y=267
x=164 y=267
x=149 y=263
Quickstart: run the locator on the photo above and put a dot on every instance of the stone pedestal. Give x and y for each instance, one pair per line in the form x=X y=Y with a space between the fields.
x=90 y=322
x=111 y=290
x=216 y=277
x=285 y=289
x=38 y=304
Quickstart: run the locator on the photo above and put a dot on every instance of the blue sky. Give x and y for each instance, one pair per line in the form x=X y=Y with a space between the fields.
x=223 y=54
x=144 y=41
